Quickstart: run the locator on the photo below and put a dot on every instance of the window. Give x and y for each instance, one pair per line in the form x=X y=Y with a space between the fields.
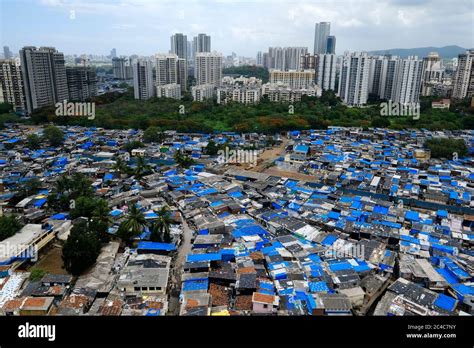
x=136 y=288
x=265 y=306
x=144 y=288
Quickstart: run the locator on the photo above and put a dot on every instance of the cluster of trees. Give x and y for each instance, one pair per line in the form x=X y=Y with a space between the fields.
x=81 y=248
x=122 y=111
x=9 y=225
x=446 y=148
x=183 y=160
x=75 y=195
x=159 y=114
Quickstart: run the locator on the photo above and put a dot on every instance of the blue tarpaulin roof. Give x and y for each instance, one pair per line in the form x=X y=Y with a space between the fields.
x=59 y=216
x=40 y=202
x=250 y=230
x=204 y=257
x=145 y=245
x=412 y=216
x=445 y=302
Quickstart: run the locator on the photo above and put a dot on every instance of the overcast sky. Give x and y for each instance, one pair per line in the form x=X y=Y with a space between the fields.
x=144 y=27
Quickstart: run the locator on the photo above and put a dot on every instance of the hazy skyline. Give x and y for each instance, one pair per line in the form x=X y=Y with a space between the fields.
x=144 y=27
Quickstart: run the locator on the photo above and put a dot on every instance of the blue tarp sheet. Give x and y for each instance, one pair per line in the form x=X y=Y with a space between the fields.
x=145 y=245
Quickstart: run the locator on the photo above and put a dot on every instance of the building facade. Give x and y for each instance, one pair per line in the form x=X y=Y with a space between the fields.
x=179 y=45
x=326 y=71
x=11 y=84
x=171 y=69
x=284 y=58
x=118 y=68
x=44 y=77
x=143 y=86
x=321 y=34
x=354 y=78
x=432 y=73
x=81 y=83
x=172 y=90
x=279 y=92
x=293 y=79
x=201 y=43
x=208 y=68
x=463 y=85
x=202 y=92
x=407 y=82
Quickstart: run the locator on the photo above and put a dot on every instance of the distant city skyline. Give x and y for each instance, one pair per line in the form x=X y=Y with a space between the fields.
x=144 y=27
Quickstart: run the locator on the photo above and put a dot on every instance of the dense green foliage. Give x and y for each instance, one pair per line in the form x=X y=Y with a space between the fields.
x=249 y=71
x=7 y=115
x=153 y=135
x=9 y=225
x=81 y=248
x=53 y=135
x=5 y=108
x=160 y=231
x=68 y=188
x=132 y=226
x=123 y=111
x=446 y=147
x=37 y=274
x=183 y=160
x=33 y=141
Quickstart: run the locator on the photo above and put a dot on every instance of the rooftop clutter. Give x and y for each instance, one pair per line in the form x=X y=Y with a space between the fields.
x=365 y=220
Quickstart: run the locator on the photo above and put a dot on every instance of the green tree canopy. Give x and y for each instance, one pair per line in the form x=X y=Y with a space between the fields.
x=34 y=141
x=132 y=226
x=9 y=225
x=446 y=147
x=53 y=135
x=81 y=248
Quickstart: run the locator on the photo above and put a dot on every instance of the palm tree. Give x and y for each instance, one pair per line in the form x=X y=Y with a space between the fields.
x=120 y=166
x=101 y=218
x=133 y=224
x=142 y=168
x=161 y=228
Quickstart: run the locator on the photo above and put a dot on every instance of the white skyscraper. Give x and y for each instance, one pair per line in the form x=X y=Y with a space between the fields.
x=285 y=58
x=354 y=78
x=208 y=68
x=143 y=79
x=321 y=34
x=407 y=82
x=382 y=75
x=326 y=71
x=171 y=69
x=166 y=69
x=463 y=83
